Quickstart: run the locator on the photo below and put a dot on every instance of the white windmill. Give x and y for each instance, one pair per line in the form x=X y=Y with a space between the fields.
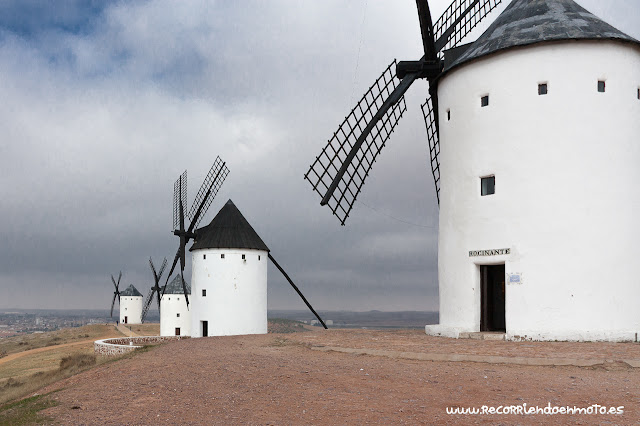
x=533 y=138
x=175 y=318
x=229 y=277
x=130 y=306
x=229 y=272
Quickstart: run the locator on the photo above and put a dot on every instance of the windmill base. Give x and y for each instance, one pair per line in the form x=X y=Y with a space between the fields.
x=524 y=335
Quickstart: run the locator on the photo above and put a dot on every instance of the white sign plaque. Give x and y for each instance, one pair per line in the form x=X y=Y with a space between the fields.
x=514 y=278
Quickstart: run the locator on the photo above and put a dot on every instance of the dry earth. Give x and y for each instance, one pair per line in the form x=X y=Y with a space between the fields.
x=294 y=379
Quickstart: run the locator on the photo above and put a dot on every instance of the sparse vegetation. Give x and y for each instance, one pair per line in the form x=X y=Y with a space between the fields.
x=283 y=326
x=73 y=364
x=77 y=362
x=51 y=361
x=26 y=411
x=149 y=329
x=22 y=343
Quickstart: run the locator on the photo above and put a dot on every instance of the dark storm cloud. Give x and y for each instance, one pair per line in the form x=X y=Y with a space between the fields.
x=106 y=103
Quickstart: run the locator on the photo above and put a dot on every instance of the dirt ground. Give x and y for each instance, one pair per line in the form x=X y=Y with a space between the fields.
x=294 y=379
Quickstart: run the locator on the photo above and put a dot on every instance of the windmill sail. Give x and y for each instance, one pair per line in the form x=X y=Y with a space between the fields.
x=209 y=189
x=179 y=194
x=459 y=19
x=334 y=158
x=340 y=170
x=147 y=305
x=116 y=293
x=431 y=122
x=207 y=192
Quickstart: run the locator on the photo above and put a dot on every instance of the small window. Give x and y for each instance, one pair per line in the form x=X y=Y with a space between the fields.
x=222 y=256
x=204 y=256
x=601 y=86
x=244 y=257
x=488 y=185
x=204 y=292
x=169 y=298
x=542 y=89
x=484 y=101
x=638 y=93
x=448 y=115
x=259 y=255
x=178 y=315
x=177 y=331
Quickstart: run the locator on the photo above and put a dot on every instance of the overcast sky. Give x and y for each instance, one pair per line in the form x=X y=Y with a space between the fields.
x=104 y=104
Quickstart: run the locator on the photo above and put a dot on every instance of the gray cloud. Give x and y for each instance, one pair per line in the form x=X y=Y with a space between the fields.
x=103 y=107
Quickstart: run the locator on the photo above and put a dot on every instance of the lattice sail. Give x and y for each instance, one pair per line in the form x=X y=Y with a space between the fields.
x=179 y=193
x=430 y=120
x=459 y=19
x=147 y=305
x=218 y=172
x=328 y=163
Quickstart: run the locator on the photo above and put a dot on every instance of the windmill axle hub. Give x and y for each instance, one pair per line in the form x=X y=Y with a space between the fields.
x=425 y=69
x=189 y=235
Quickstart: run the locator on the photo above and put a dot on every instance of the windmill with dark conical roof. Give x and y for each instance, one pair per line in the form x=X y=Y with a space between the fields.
x=175 y=318
x=229 y=277
x=533 y=138
x=130 y=306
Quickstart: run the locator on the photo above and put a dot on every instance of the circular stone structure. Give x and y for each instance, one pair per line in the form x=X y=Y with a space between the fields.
x=539 y=124
x=229 y=277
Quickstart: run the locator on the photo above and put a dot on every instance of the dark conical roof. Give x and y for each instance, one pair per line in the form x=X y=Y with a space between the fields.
x=525 y=22
x=130 y=291
x=229 y=229
x=175 y=286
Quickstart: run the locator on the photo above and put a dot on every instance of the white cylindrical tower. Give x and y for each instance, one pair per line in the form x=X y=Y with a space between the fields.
x=229 y=277
x=175 y=318
x=540 y=149
x=130 y=306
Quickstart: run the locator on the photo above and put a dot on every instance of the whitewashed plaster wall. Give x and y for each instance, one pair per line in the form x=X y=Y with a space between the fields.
x=174 y=314
x=131 y=307
x=236 y=292
x=567 y=197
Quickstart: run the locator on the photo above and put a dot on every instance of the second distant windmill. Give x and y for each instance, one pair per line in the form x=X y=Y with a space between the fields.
x=207 y=192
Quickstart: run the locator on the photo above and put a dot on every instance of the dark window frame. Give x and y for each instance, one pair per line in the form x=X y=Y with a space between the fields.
x=490 y=187
x=543 y=89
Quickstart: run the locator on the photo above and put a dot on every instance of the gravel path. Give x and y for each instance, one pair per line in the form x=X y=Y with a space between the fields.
x=280 y=379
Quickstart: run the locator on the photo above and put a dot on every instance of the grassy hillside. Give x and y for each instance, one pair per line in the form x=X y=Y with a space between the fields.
x=32 y=361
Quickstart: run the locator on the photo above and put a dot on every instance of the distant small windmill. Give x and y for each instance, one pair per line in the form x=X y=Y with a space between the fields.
x=116 y=293
x=207 y=192
x=156 y=289
x=340 y=170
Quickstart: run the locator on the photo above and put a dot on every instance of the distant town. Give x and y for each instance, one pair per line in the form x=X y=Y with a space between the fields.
x=15 y=322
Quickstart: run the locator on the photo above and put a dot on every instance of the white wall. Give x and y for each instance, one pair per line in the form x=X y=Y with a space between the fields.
x=236 y=292
x=567 y=201
x=131 y=307
x=172 y=305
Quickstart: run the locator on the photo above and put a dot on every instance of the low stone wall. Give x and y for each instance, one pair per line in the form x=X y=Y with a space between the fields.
x=122 y=345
